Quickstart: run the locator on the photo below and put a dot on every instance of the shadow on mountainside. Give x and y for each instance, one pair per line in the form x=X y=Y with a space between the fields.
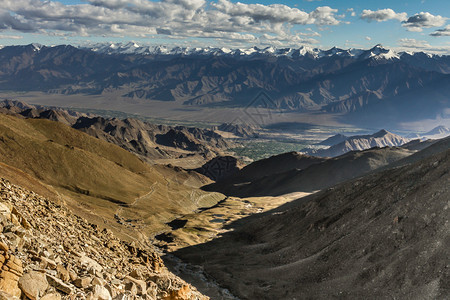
x=384 y=234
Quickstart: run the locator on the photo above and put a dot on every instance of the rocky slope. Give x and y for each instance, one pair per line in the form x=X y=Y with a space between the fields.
x=386 y=234
x=48 y=253
x=379 y=139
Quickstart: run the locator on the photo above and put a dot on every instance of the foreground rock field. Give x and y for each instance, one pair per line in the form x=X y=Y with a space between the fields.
x=48 y=253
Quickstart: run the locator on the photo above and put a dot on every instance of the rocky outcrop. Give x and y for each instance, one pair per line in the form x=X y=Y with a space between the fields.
x=46 y=252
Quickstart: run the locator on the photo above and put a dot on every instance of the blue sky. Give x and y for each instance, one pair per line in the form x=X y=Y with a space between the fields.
x=419 y=25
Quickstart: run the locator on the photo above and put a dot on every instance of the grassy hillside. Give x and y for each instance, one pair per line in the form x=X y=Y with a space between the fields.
x=99 y=180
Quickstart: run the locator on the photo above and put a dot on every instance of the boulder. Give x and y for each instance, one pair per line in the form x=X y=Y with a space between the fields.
x=52 y=296
x=90 y=264
x=63 y=274
x=60 y=285
x=6 y=296
x=101 y=293
x=83 y=282
x=182 y=294
x=33 y=284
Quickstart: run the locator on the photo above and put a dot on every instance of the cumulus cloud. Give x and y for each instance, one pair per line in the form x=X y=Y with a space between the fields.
x=277 y=13
x=221 y=19
x=382 y=15
x=413 y=23
x=442 y=32
x=423 y=20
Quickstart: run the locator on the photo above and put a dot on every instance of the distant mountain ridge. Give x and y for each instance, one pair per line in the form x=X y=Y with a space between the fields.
x=364 y=83
x=438 y=132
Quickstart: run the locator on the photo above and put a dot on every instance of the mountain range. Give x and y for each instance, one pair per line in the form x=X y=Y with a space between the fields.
x=134 y=48
x=363 y=84
x=149 y=141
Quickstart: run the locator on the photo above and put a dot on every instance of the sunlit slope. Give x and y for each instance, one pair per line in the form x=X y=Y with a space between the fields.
x=98 y=178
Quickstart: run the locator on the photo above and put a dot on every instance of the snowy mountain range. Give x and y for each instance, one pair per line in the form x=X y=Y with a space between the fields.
x=133 y=48
x=367 y=86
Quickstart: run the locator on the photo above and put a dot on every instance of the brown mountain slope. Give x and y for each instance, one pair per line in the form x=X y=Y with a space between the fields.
x=383 y=236
x=160 y=144
x=265 y=167
x=152 y=141
x=322 y=173
x=101 y=181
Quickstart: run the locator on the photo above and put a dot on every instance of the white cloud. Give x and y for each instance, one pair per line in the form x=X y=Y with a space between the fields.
x=351 y=11
x=423 y=20
x=368 y=38
x=414 y=23
x=382 y=15
x=11 y=37
x=414 y=45
x=442 y=32
x=173 y=18
x=277 y=13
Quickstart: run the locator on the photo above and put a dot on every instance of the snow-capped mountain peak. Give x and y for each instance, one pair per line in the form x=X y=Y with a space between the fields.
x=36 y=46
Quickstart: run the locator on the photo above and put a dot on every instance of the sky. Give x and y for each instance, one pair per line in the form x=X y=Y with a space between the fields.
x=402 y=25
